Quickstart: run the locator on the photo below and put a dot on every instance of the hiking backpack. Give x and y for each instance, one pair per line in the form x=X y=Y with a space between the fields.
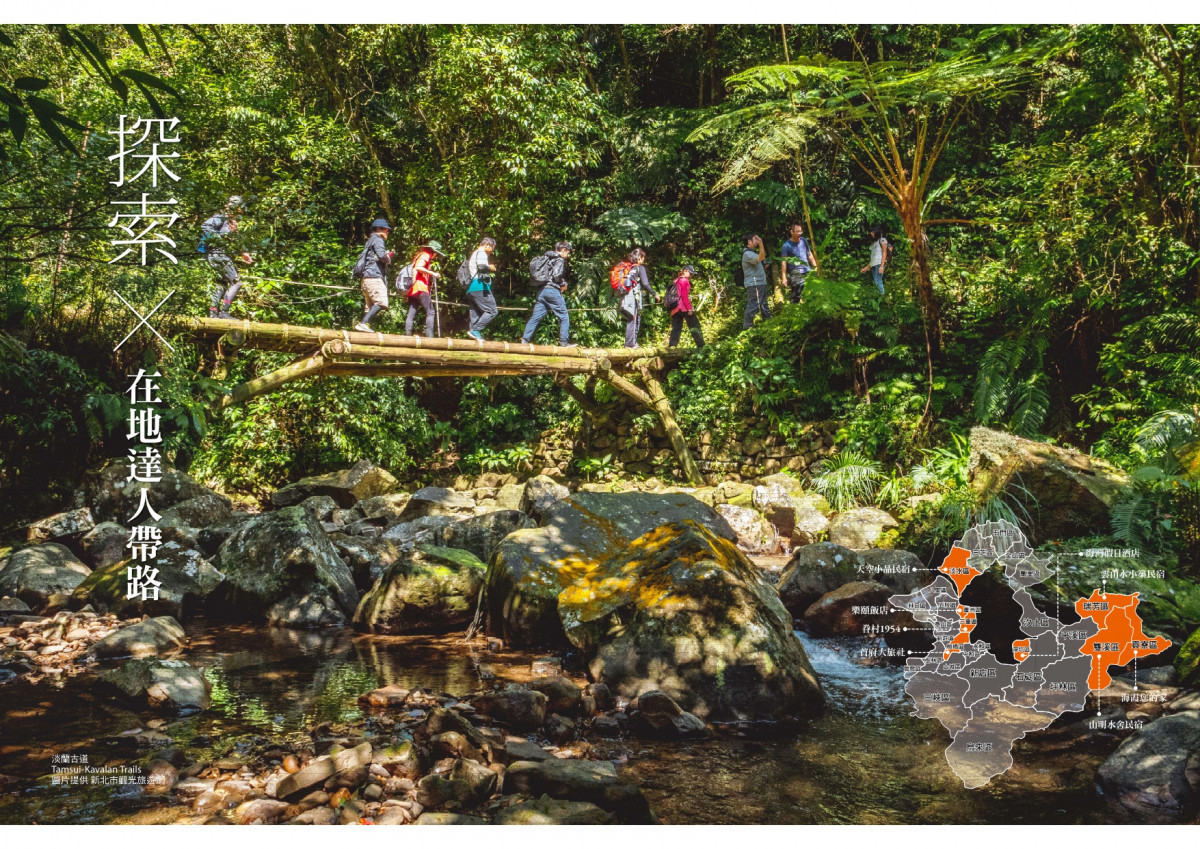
x=404 y=279
x=739 y=274
x=620 y=275
x=464 y=273
x=671 y=298
x=356 y=273
x=889 y=250
x=540 y=270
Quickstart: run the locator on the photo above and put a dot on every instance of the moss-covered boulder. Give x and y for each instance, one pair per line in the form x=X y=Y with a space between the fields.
x=531 y=567
x=1065 y=493
x=429 y=589
x=167 y=686
x=282 y=567
x=41 y=574
x=347 y=486
x=1187 y=662
x=681 y=610
x=185 y=575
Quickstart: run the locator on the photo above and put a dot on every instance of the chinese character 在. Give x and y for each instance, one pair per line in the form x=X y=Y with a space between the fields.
x=145 y=384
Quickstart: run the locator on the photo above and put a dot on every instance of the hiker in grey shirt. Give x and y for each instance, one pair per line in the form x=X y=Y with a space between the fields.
x=481 y=301
x=755 y=279
x=215 y=235
x=879 y=252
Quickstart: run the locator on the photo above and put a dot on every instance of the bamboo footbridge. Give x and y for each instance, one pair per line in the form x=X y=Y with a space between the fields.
x=355 y=353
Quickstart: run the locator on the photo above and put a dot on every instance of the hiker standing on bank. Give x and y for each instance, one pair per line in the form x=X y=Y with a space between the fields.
x=634 y=282
x=482 y=304
x=372 y=267
x=549 y=272
x=213 y=245
x=797 y=269
x=679 y=301
x=879 y=257
x=754 y=278
x=419 y=295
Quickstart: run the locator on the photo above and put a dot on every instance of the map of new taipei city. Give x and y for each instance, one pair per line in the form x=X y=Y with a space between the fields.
x=986 y=703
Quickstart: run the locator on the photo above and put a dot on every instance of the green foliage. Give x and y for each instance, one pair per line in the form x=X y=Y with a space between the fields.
x=595 y=467
x=502 y=460
x=848 y=479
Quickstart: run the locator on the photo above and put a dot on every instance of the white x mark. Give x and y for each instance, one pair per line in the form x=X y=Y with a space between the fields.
x=143 y=319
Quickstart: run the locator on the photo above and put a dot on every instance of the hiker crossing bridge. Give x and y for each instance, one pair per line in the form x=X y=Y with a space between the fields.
x=322 y=351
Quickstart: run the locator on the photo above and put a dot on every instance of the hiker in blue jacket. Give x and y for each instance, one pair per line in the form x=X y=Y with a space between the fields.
x=214 y=244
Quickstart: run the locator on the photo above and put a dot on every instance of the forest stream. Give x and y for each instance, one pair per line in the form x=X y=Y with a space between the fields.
x=866 y=760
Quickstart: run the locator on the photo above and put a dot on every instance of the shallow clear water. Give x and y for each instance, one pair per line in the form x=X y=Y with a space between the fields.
x=866 y=760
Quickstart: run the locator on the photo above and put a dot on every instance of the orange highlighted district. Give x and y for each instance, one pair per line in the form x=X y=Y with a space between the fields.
x=956 y=568
x=1020 y=649
x=1120 y=638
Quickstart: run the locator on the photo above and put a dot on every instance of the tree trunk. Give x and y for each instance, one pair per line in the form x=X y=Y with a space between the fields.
x=914 y=229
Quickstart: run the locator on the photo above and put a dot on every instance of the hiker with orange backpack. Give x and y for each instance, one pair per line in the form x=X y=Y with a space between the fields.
x=628 y=279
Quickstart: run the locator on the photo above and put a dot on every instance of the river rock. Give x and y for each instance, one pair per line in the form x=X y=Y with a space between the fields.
x=446 y=818
x=185 y=576
x=833 y=615
x=530 y=567
x=509 y=496
x=172 y=489
x=72 y=523
x=562 y=694
x=580 y=781
x=429 y=589
x=111 y=494
x=901 y=571
x=282 y=566
x=1154 y=776
x=211 y=538
x=518 y=707
x=481 y=780
x=41 y=573
x=754 y=533
x=104 y=545
x=321 y=507
x=167 y=686
x=439 y=791
x=547 y=811
x=368 y=558
x=683 y=611
x=1187 y=662
x=208 y=509
x=808 y=526
x=658 y=716
x=1065 y=493
x=860 y=528
x=437 y=501
x=481 y=535
x=8 y=604
x=388 y=508
x=347 y=486
x=540 y=494
x=153 y=636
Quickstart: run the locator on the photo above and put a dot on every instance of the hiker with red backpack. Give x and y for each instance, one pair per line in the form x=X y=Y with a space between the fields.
x=548 y=273
x=628 y=281
x=420 y=292
x=678 y=302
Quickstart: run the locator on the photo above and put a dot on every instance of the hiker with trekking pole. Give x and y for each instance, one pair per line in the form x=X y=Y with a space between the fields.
x=423 y=291
x=628 y=280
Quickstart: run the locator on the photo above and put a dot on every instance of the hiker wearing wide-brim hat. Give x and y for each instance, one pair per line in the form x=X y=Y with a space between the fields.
x=420 y=295
x=372 y=267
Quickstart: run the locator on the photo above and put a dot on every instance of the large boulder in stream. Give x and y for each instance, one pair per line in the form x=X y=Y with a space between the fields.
x=531 y=567
x=823 y=567
x=41 y=574
x=363 y=480
x=166 y=686
x=153 y=636
x=113 y=497
x=681 y=610
x=185 y=576
x=1154 y=776
x=281 y=566
x=1065 y=493
x=860 y=528
x=481 y=535
x=429 y=589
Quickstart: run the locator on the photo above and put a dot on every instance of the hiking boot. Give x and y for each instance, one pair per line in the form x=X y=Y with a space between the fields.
x=224 y=315
x=476 y=335
x=362 y=328
x=569 y=345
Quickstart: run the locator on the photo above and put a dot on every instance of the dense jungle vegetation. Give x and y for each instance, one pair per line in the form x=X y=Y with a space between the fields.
x=1039 y=183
